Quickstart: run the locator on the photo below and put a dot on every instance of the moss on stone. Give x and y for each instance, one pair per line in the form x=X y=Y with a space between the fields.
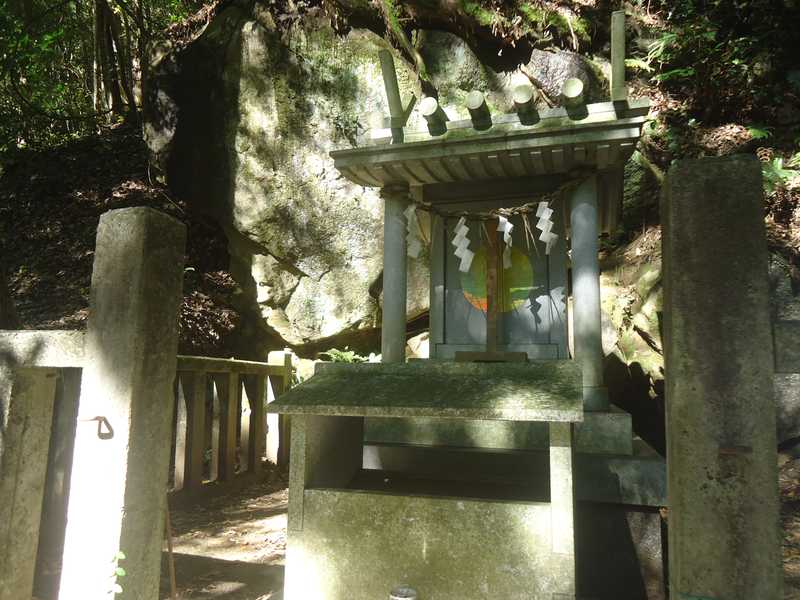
x=477 y=11
x=540 y=19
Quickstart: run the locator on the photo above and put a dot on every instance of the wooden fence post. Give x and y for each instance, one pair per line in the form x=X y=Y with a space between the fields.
x=258 y=424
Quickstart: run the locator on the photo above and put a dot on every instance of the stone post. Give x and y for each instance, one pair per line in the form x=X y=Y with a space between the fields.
x=724 y=529
x=586 y=293
x=122 y=444
x=26 y=416
x=393 y=333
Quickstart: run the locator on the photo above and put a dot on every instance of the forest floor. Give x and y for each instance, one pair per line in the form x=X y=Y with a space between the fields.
x=233 y=547
x=50 y=204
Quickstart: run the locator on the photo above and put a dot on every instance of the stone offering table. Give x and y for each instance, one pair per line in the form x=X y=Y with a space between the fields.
x=358 y=533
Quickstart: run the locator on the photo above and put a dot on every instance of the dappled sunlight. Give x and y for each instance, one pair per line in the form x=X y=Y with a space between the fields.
x=201 y=577
x=230 y=547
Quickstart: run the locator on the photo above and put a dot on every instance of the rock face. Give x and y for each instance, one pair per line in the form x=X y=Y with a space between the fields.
x=241 y=122
x=248 y=144
x=632 y=296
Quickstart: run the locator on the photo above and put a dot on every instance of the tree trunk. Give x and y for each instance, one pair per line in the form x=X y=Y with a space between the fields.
x=102 y=76
x=124 y=71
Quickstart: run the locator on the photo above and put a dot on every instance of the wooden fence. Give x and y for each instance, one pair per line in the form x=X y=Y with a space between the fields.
x=221 y=427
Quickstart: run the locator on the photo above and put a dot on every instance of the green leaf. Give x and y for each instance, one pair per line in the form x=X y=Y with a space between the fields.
x=119 y=572
x=636 y=63
x=676 y=74
x=119 y=555
x=759 y=132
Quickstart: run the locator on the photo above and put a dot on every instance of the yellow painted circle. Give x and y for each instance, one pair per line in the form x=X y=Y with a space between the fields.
x=515 y=283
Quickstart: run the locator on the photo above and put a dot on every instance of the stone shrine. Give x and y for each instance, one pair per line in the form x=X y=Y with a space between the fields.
x=497 y=468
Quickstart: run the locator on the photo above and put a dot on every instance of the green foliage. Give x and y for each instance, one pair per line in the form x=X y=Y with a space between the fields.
x=476 y=10
x=47 y=64
x=118 y=572
x=639 y=64
x=777 y=176
x=522 y=18
x=344 y=356
x=760 y=132
x=727 y=57
x=545 y=19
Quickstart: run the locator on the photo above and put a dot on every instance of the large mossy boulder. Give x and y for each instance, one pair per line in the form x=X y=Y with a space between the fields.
x=631 y=281
x=241 y=121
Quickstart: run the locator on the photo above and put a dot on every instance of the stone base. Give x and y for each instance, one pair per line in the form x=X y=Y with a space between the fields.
x=357 y=544
x=608 y=432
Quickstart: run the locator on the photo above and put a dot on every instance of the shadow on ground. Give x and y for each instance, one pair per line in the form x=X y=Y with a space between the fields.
x=204 y=577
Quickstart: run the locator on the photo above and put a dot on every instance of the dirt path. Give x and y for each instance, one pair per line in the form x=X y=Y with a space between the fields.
x=231 y=548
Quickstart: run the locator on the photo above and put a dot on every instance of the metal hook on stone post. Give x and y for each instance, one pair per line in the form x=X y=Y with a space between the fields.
x=104 y=429
x=403 y=592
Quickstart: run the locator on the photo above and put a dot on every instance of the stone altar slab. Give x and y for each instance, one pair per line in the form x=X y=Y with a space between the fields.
x=538 y=391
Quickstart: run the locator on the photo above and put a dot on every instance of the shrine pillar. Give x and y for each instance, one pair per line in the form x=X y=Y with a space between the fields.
x=584 y=223
x=393 y=332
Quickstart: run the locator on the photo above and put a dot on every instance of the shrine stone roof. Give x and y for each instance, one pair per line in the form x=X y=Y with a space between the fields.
x=597 y=136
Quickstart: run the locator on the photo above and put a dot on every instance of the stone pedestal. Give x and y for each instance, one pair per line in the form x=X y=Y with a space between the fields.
x=357 y=532
x=122 y=444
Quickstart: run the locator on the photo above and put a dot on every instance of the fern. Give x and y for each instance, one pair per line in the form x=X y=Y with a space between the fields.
x=759 y=132
x=637 y=63
x=776 y=176
x=344 y=356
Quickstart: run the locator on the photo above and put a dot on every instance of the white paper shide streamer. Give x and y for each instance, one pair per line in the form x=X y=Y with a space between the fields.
x=413 y=245
x=506 y=227
x=545 y=224
x=461 y=242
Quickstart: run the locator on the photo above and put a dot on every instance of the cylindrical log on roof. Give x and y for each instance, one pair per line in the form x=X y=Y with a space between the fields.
x=525 y=102
x=478 y=110
x=434 y=115
x=572 y=92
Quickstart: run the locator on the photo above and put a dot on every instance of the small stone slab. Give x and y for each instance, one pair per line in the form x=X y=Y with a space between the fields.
x=536 y=391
